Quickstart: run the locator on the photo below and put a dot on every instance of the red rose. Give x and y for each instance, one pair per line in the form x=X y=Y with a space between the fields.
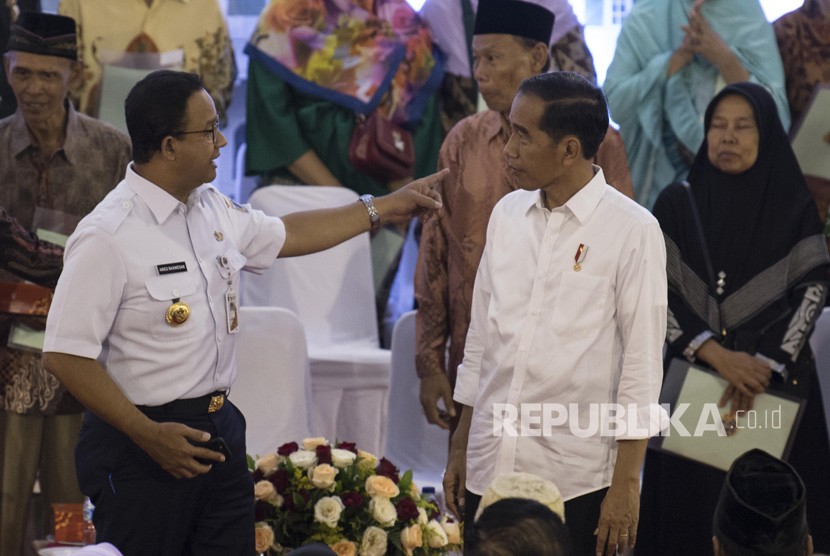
x=280 y=480
x=288 y=448
x=261 y=510
x=387 y=469
x=352 y=499
x=257 y=475
x=350 y=446
x=407 y=510
x=323 y=454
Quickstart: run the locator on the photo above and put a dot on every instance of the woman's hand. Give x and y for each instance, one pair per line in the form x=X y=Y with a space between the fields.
x=708 y=43
x=749 y=375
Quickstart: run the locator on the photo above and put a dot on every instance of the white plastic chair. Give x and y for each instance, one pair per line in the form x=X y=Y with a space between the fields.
x=272 y=386
x=411 y=442
x=333 y=295
x=820 y=342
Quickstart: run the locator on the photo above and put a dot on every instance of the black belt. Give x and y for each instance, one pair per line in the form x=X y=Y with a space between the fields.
x=202 y=405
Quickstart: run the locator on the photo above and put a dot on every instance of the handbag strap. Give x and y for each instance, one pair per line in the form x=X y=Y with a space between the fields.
x=469 y=22
x=700 y=237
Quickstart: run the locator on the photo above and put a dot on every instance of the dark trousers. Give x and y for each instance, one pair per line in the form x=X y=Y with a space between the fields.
x=581 y=519
x=143 y=510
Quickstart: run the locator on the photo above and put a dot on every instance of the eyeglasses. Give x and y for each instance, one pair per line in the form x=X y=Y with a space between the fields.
x=212 y=131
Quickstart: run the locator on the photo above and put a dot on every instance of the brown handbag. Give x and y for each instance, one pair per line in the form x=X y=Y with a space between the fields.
x=381 y=148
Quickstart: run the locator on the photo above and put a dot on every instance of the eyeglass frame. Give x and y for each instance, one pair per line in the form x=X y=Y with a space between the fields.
x=213 y=130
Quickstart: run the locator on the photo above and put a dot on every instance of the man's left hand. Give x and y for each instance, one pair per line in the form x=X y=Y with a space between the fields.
x=618 y=516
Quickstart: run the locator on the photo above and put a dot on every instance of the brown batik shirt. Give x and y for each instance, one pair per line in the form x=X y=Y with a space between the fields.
x=71 y=181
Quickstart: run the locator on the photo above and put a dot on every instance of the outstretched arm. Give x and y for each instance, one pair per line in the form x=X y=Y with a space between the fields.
x=316 y=230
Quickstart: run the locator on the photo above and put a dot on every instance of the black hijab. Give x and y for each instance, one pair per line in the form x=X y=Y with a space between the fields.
x=753 y=219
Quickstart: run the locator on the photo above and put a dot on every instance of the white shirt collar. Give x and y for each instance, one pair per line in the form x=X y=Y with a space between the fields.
x=583 y=203
x=161 y=203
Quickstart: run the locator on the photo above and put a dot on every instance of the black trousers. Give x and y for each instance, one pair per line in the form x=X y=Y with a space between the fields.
x=581 y=518
x=143 y=510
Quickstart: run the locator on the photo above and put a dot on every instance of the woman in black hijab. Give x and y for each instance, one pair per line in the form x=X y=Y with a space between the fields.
x=758 y=293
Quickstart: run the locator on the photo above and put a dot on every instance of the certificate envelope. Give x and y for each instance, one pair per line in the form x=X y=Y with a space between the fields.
x=770 y=425
x=811 y=136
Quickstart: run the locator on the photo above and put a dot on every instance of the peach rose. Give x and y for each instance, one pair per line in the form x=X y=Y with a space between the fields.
x=323 y=476
x=268 y=464
x=284 y=15
x=264 y=537
x=265 y=491
x=412 y=537
x=378 y=485
x=344 y=548
x=311 y=443
x=452 y=530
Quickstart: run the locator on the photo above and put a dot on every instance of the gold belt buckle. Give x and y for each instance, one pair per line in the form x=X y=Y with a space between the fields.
x=216 y=403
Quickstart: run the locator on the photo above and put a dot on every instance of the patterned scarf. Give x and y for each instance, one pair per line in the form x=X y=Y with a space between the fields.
x=355 y=53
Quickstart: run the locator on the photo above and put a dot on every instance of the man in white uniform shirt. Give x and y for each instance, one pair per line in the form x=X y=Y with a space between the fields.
x=568 y=314
x=142 y=327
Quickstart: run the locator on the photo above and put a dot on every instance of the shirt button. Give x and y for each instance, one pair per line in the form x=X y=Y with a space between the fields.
x=175 y=293
x=126 y=204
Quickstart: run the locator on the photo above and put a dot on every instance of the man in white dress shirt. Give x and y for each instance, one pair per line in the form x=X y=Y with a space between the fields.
x=142 y=327
x=568 y=319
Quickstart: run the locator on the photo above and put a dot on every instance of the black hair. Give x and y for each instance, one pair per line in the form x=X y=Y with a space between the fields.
x=519 y=526
x=575 y=106
x=157 y=107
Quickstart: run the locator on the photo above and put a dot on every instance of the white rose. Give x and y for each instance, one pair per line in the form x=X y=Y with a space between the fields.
x=367 y=460
x=436 y=536
x=327 y=510
x=374 y=542
x=311 y=443
x=383 y=511
x=422 y=516
x=322 y=476
x=342 y=458
x=303 y=459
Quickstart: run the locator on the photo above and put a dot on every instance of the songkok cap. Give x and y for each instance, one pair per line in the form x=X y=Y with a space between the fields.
x=523 y=485
x=762 y=508
x=46 y=34
x=514 y=17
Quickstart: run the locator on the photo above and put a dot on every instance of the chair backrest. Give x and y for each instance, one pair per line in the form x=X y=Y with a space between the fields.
x=331 y=291
x=411 y=442
x=273 y=384
x=820 y=342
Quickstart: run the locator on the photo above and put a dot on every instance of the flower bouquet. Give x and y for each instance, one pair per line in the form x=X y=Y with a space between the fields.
x=347 y=499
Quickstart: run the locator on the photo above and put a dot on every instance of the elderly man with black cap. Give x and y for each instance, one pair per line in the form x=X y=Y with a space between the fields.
x=762 y=509
x=57 y=165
